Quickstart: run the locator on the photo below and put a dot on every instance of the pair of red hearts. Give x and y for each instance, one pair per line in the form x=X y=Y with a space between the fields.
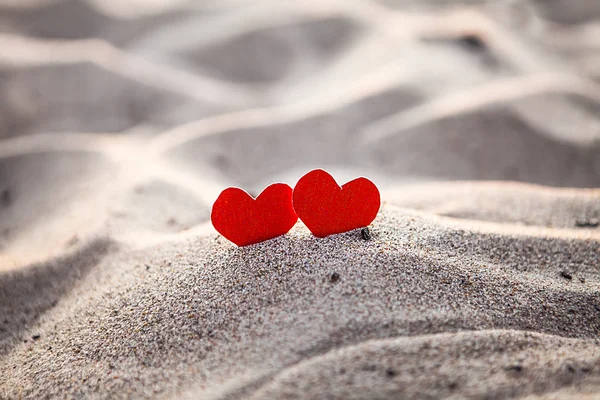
x=323 y=206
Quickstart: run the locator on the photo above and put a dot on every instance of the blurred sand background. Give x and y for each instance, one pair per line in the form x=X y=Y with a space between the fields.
x=121 y=122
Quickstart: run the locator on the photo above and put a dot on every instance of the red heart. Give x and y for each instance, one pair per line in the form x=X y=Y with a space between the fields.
x=243 y=220
x=326 y=208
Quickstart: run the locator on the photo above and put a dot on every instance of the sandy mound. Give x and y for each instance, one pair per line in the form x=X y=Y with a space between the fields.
x=203 y=312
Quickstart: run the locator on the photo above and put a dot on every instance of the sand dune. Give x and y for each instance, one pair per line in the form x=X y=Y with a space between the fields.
x=498 y=202
x=120 y=123
x=200 y=310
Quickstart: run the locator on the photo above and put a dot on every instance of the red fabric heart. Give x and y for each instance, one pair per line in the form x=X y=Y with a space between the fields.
x=244 y=220
x=326 y=208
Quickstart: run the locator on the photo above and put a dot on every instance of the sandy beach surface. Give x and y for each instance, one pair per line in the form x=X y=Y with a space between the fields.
x=121 y=122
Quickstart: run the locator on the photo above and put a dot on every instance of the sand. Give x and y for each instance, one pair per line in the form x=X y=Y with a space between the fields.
x=120 y=123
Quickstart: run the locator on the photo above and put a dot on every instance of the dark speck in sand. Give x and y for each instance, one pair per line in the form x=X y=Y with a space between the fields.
x=72 y=241
x=390 y=372
x=472 y=42
x=171 y=221
x=587 y=223
x=334 y=277
x=35 y=337
x=515 y=368
x=365 y=233
x=566 y=275
x=5 y=198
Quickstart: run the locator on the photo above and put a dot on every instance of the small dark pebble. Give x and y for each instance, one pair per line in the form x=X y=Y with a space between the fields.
x=5 y=198
x=365 y=233
x=472 y=42
x=172 y=221
x=452 y=385
x=72 y=241
x=516 y=368
x=390 y=372
x=587 y=223
x=334 y=277
x=582 y=280
x=566 y=275
x=147 y=267
x=35 y=337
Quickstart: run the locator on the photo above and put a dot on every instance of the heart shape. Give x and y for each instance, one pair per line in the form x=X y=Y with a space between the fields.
x=326 y=208
x=244 y=220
